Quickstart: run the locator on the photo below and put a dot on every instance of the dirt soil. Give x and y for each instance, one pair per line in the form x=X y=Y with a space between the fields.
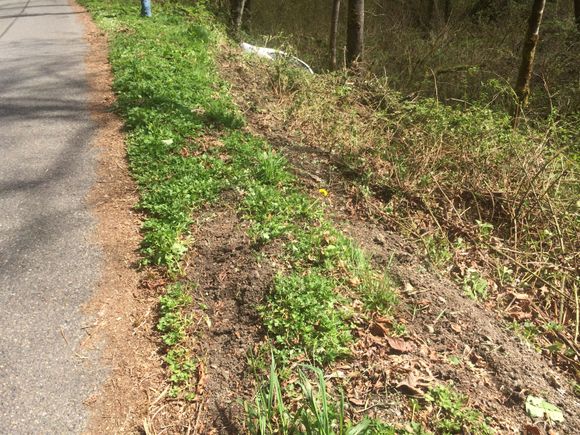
x=450 y=337
x=122 y=309
x=231 y=283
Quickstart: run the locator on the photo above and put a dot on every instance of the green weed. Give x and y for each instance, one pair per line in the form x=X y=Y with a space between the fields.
x=455 y=417
x=475 y=285
x=485 y=228
x=313 y=412
x=526 y=330
x=438 y=250
x=399 y=329
x=304 y=315
x=173 y=324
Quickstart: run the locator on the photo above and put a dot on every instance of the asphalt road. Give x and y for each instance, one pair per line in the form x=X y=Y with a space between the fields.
x=48 y=266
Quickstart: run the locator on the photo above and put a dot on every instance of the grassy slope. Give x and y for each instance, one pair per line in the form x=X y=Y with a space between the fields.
x=496 y=207
x=174 y=104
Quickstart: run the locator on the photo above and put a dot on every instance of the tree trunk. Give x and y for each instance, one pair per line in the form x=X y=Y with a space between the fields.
x=577 y=13
x=247 y=12
x=355 y=31
x=447 y=10
x=334 y=33
x=429 y=19
x=237 y=14
x=528 y=54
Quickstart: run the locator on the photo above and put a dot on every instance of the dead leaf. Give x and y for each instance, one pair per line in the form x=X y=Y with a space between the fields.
x=409 y=390
x=399 y=345
x=530 y=429
x=201 y=378
x=355 y=401
x=378 y=330
x=375 y=340
x=414 y=385
x=409 y=289
x=456 y=327
x=424 y=303
x=520 y=296
x=523 y=316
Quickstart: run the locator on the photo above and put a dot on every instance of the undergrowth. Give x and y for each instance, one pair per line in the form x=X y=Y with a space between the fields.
x=453 y=415
x=496 y=207
x=174 y=324
x=316 y=412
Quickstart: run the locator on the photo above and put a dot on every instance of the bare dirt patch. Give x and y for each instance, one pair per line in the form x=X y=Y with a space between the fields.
x=227 y=282
x=121 y=308
x=231 y=283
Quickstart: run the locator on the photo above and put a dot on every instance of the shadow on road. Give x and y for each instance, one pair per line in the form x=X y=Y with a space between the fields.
x=44 y=14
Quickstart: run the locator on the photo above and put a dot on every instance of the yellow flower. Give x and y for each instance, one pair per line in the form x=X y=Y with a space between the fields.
x=323 y=192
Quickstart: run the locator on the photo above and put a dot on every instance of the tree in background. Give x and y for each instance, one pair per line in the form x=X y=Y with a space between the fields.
x=237 y=11
x=528 y=54
x=577 y=12
x=355 y=31
x=447 y=10
x=334 y=32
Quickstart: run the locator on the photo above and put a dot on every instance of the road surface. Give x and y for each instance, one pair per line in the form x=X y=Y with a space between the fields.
x=48 y=265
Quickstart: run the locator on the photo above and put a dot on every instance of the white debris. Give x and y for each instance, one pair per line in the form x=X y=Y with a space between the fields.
x=273 y=54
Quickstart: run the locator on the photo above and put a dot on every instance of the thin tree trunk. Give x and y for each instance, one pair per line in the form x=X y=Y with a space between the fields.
x=238 y=14
x=355 y=31
x=247 y=14
x=577 y=12
x=334 y=33
x=429 y=20
x=528 y=54
x=447 y=10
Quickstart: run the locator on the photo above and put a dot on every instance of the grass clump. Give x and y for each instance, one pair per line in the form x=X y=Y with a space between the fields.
x=314 y=412
x=173 y=324
x=454 y=416
x=304 y=314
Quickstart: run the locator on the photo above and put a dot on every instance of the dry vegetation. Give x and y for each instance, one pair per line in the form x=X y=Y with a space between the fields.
x=494 y=207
